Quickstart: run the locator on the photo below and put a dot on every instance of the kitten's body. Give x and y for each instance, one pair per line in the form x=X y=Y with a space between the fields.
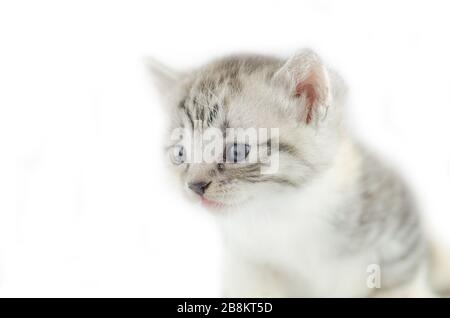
x=322 y=241
x=328 y=215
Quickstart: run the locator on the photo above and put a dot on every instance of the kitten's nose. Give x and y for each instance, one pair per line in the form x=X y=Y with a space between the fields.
x=199 y=187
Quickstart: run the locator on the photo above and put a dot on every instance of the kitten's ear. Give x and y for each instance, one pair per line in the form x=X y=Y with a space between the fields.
x=165 y=78
x=307 y=80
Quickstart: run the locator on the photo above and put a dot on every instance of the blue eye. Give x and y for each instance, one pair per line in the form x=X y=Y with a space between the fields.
x=178 y=155
x=237 y=152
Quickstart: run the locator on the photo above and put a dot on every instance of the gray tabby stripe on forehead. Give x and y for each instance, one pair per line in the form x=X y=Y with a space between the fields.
x=212 y=114
x=223 y=78
x=198 y=109
x=228 y=71
x=182 y=106
x=207 y=86
x=204 y=112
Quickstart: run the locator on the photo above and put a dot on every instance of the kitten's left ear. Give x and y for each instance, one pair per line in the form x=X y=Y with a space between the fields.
x=307 y=80
x=165 y=78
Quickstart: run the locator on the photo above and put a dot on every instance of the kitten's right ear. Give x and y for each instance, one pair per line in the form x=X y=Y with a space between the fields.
x=166 y=79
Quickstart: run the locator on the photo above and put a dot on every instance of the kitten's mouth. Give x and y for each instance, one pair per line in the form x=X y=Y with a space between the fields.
x=211 y=203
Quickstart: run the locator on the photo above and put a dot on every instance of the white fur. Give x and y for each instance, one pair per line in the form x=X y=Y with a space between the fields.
x=270 y=250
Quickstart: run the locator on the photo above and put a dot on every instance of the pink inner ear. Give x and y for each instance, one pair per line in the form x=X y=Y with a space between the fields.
x=311 y=97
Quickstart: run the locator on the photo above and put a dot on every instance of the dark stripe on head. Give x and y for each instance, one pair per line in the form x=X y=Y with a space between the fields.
x=212 y=114
x=183 y=108
x=189 y=116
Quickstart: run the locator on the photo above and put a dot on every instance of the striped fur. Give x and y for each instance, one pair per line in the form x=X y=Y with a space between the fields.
x=330 y=210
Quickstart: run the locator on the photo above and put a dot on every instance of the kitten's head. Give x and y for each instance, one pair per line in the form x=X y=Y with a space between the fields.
x=285 y=119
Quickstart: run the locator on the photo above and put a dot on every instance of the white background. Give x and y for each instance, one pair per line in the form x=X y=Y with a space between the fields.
x=85 y=208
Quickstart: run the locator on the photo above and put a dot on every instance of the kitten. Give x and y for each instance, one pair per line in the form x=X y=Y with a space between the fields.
x=331 y=220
